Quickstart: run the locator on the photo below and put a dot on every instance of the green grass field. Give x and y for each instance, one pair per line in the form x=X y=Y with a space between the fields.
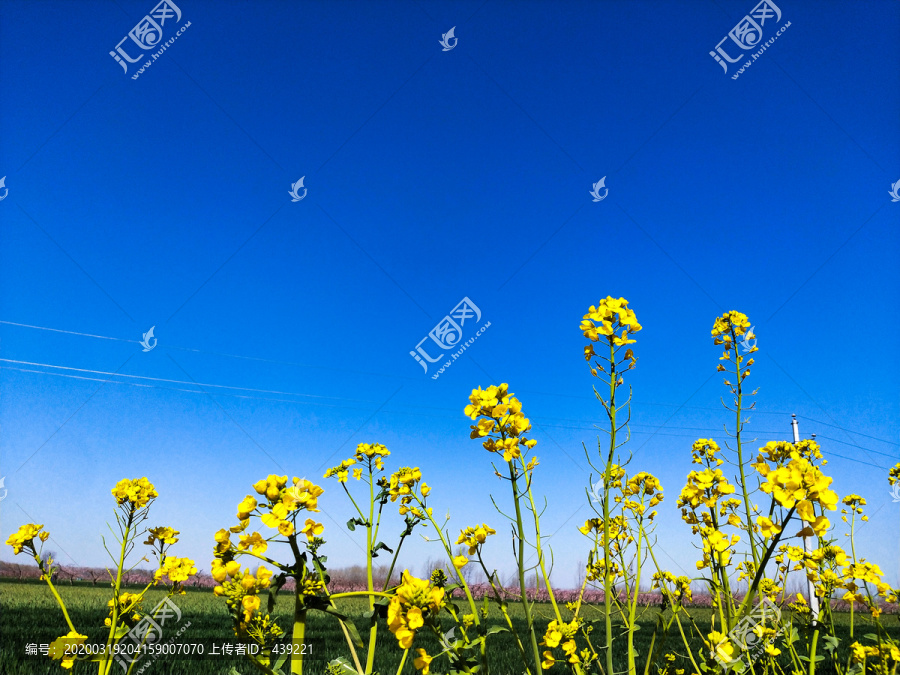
x=28 y=614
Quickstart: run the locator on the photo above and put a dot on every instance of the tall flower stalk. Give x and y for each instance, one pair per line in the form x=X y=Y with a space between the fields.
x=610 y=326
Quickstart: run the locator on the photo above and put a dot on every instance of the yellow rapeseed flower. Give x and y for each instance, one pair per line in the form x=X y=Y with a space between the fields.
x=312 y=528
x=61 y=649
x=166 y=535
x=407 y=609
x=177 y=570
x=422 y=661
x=138 y=492
x=24 y=537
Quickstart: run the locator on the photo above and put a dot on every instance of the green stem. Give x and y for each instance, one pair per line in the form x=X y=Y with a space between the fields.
x=402 y=661
x=351 y=594
x=540 y=553
x=607 y=585
x=53 y=590
x=739 y=445
x=632 y=668
x=373 y=631
x=106 y=664
x=298 y=634
x=812 y=652
x=529 y=621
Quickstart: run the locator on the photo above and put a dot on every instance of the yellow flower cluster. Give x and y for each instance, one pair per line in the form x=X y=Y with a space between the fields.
x=263 y=630
x=402 y=484
x=423 y=661
x=164 y=535
x=312 y=529
x=596 y=571
x=64 y=648
x=780 y=452
x=613 y=320
x=473 y=537
x=705 y=451
x=877 y=659
x=366 y=453
x=720 y=646
x=641 y=485
x=177 y=570
x=137 y=492
x=501 y=413
x=342 y=471
x=128 y=603
x=830 y=569
x=373 y=451
x=413 y=602
x=560 y=634
x=726 y=331
x=801 y=485
x=868 y=573
x=676 y=589
x=241 y=590
x=619 y=534
x=767 y=527
x=282 y=503
x=894 y=475
x=716 y=547
x=704 y=487
x=729 y=326
x=856 y=504
x=24 y=538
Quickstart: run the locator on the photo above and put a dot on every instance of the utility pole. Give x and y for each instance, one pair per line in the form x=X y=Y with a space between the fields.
x=807 y=542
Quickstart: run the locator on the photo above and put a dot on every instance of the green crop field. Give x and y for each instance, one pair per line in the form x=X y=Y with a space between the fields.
x=29 y=615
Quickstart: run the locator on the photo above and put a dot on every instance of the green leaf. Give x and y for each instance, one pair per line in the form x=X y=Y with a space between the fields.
x=496 y=629
x=380 y=546
x=831 y=643
x=341 y=665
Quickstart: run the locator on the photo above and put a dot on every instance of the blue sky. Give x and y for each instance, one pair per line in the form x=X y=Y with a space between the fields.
x=432 y=176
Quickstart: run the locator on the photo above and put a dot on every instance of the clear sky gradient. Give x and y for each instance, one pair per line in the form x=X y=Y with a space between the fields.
x=432 y=176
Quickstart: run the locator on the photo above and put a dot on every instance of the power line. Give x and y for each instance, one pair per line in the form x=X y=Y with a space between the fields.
x=68 y=332
x=212 y=353
x=329 y=405
x=858 y=433
x=187 y=391
x=854 y=445
x=162 y=379
x=304 y=365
